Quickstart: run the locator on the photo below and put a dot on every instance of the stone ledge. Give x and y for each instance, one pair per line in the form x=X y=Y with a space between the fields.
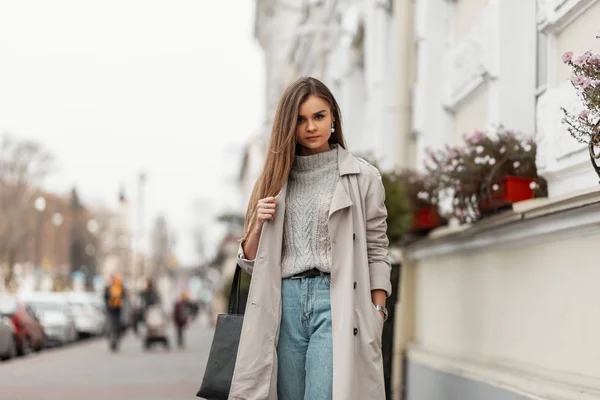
x=528 y=380
x=529 y=222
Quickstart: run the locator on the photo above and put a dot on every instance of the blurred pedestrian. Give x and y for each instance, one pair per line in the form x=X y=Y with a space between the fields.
x=148 y=297
x=181 y=312
x=321 y=270
x=114 y=300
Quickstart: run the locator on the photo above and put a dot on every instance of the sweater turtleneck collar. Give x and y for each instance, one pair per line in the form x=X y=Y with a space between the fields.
x=316 y=161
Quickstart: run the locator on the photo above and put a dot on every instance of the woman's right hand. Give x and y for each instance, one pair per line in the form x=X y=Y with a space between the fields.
x=265 y=211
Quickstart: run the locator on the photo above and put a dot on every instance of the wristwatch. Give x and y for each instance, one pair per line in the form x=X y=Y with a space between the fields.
x=383 y=310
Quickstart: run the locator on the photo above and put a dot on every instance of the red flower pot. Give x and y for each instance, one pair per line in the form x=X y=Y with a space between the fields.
x=511 y=189
x=425 y=218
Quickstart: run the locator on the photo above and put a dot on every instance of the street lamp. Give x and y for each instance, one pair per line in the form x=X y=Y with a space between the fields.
x=91 y=266
x=40 y=206
x=57 y=221
x=92 y=226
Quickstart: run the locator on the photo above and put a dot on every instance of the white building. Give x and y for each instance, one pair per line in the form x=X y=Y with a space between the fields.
x=351 y=46
x=506 y=308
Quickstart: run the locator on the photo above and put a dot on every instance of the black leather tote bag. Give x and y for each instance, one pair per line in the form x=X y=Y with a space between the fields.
x=223 y=351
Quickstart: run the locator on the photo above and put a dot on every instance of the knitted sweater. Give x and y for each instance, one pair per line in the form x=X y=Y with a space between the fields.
x=311 y=184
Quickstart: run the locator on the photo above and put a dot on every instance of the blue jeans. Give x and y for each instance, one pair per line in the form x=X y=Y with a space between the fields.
x=304 y=351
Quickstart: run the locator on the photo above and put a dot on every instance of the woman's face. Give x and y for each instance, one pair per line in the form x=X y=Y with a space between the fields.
x=313 y=128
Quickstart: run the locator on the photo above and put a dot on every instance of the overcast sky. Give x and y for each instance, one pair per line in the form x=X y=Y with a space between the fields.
x=114 y=87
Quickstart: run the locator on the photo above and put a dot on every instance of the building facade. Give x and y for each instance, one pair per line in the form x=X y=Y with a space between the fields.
x=353 y=47
x=504 y=308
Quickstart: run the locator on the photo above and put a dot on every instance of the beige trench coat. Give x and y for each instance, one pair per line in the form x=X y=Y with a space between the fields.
x=357 y=228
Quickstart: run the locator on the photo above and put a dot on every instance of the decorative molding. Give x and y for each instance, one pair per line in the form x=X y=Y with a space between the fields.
x=542 y=8
x=555 y=15
x=527 y=380
x=527 y=224
x=470 y=63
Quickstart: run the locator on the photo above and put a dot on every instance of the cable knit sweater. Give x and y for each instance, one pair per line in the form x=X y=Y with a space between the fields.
x=311 y=184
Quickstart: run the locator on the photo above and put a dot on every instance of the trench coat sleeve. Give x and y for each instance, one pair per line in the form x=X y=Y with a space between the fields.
x=377 y=241
x=243 y=262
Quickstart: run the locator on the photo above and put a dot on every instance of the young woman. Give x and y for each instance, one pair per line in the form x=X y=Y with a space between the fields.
x=316 y=248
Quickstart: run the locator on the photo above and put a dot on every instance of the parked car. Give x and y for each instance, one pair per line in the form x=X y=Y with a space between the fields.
x=89 y=321
x=8 y=341
x=55 y=316
x=29 y=331
x=97 y=302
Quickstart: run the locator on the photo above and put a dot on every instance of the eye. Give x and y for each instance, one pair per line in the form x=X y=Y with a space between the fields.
x=300 y=120
x=319 y=117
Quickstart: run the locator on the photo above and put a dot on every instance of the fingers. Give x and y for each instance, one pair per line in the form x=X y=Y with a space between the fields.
x=266 y=216
x=268 y=202
x=266 y=209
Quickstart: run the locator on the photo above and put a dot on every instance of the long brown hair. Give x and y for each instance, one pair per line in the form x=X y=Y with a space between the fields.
x=282 y=145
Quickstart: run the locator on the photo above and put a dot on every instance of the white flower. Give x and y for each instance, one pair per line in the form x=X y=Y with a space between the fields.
x=533 y=185
x=492 y=161
x=516 y=164
x=479 y=149
x=423 y=195
x=527 y=147
x=455 y=162
x=502 y=150
x=495 y=187
x=516 y=147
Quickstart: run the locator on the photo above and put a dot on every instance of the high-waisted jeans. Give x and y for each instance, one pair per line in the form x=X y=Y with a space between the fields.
x=304 y=352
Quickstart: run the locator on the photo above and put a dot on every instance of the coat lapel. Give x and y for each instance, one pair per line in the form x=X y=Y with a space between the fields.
x=347 y=164
x=340 y=199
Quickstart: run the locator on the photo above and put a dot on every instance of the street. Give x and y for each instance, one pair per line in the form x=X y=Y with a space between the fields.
x=89 y=371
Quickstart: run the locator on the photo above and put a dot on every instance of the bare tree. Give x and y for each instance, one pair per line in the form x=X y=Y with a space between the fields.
x=23 y=166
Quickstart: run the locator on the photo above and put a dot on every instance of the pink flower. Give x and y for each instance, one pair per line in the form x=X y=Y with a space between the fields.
x=585 y=57
x=586 y=83
x=581 y=60
x=584 y=114
x=578 y=80
x=567 y=57
x=595 y=82
x=594 y=59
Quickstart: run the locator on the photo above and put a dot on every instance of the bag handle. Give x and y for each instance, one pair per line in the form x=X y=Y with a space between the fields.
x=235 y=293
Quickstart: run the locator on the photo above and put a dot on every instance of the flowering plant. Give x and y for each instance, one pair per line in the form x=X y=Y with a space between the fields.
x=419 y=211
x=418 y=189
x=472 y=173
x=585 y=126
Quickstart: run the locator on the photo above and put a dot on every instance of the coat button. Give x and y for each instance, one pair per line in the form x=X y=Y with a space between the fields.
x=354 y=285
x=355 y=331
